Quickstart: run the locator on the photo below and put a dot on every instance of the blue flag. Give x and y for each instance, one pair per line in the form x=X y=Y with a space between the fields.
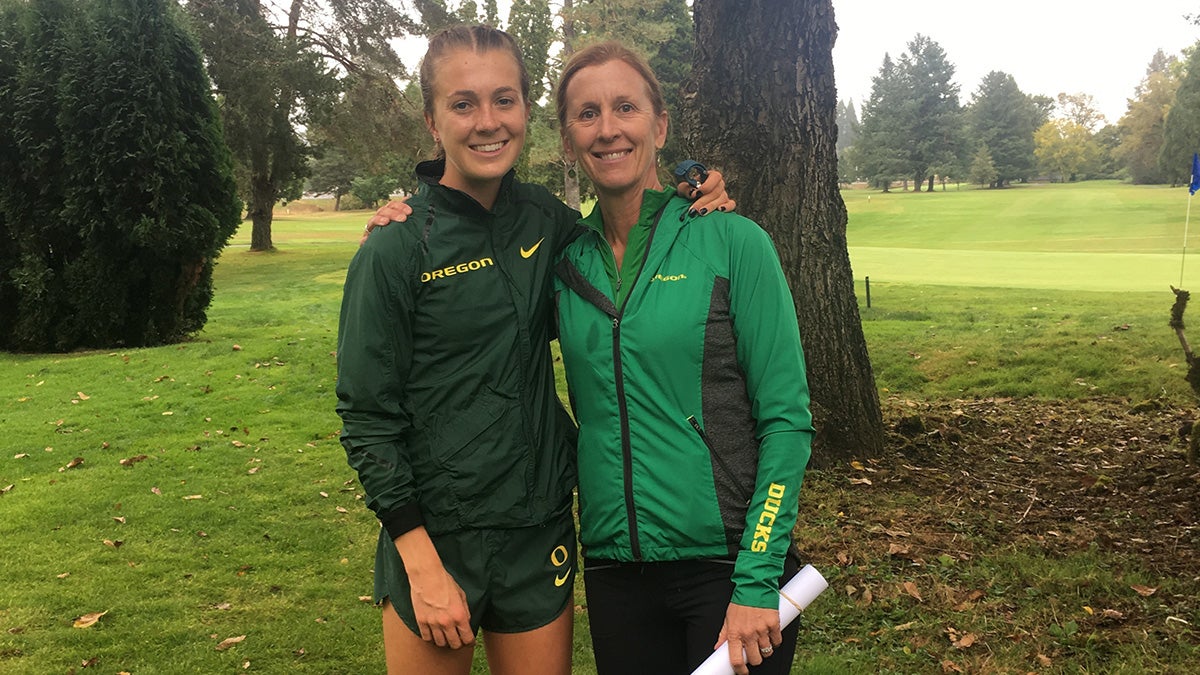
x=1195 y=174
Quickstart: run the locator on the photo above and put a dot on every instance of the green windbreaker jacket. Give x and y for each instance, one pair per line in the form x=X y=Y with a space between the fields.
x=445 y=378
x=690 y=395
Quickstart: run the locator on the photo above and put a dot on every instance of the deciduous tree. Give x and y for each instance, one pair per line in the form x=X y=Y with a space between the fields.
x=1141 y=136
x=1181 y=129
x=765 y=108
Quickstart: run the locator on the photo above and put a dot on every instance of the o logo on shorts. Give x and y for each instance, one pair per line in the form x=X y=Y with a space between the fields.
x=559 y=556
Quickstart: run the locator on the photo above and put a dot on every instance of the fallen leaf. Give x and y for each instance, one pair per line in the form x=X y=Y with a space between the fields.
x=867 y=597
x=90 y=662
x=88 y=619
x=238 y=444
x=223 y=605
x=1144 y=591
x=843 y=558
x=156 y=491
x=1113 y=615
x=64 y=575
x=119 y=519
x=82 y=396
x=72 y=464
x=950 y=667
x=7 y=488
x=1044 y=660
x=911 y=589
x=1089 y=610
x=906 y=626
x=897 y=549
x=857 y=465
x=194 y=497
x=253 y=470
x=130 y=461
x=324 y=494
x=113 y=544
x=966 y=641
x=860 y=481
x=168 y=412
x=237 y=348
x=229 y=642
x=366 y=598
x=342 y=509
x=21 y=455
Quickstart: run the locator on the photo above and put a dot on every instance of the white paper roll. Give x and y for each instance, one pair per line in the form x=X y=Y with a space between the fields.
x=793 y=597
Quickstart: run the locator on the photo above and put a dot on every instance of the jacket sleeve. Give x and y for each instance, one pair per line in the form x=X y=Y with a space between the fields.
x=769 y=352
x=374 y=357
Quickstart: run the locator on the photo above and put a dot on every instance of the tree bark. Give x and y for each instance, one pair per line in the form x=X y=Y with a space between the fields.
x=761 y=105
x=570 y=170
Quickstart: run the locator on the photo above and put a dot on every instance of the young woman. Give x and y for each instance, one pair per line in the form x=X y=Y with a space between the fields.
x=446 y=386
x=686 y=374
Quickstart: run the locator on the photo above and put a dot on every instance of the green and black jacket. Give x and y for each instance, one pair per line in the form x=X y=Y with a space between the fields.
x=445 y=377
x=687 y=380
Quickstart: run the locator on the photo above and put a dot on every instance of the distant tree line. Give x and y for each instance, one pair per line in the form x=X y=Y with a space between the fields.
x=914 y=130
x=116 y=187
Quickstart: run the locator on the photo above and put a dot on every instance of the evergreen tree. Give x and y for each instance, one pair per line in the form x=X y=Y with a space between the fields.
x=119 y=250
x=1002 y=119
x=935 y=136
x=983 y=169
x=879 y=152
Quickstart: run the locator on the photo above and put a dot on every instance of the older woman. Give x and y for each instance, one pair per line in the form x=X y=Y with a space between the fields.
x=687 y=379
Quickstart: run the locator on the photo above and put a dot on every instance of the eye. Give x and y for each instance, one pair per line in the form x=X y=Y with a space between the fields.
x=626 y=108
x=460 y=106
x=506 y=101
x=587 y=114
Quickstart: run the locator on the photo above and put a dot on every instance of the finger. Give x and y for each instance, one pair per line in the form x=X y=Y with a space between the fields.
x=453 y=640
x=466 y=636
x=737 y=656
x=711 y=181
x=426 y=632
x=720 y=639
x=775 y=635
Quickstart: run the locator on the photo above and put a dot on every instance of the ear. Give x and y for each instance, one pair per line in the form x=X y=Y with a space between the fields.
x=568 y=150
x=660 y=130
x=430 y=125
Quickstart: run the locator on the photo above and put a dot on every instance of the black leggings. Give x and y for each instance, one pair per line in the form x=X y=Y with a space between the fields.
x=663 y=618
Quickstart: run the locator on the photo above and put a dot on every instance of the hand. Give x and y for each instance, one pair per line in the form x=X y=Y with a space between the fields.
x=439 y=604
x=441 y=610
x=753 y=629
x=396 y=210
x=710 y=196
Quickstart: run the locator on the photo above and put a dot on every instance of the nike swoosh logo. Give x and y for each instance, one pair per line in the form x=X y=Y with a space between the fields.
x=526 y=253
x=559 y=581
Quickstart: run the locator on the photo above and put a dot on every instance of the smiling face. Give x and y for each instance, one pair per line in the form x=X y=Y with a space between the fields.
x=479 y=117
x=612 y=129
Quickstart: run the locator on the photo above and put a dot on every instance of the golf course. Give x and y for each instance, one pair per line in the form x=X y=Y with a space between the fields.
x=189 y=509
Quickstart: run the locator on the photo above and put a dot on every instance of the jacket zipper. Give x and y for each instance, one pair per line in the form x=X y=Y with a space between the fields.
x=720 y=460
x=623 y=410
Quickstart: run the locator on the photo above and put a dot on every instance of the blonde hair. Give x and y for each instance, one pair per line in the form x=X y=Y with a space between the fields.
x=598 y=55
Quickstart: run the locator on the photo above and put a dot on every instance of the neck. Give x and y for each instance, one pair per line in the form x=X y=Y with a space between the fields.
x=621 y=210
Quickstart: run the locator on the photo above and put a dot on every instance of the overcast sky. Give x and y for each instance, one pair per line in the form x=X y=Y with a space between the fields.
x=1049 y=46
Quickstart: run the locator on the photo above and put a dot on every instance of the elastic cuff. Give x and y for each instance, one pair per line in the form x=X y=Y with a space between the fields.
x=402 y=520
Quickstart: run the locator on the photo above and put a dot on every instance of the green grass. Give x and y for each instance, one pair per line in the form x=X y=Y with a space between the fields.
x=279 y=548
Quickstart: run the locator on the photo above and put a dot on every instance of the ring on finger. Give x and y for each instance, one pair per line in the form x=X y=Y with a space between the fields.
x=766 y=651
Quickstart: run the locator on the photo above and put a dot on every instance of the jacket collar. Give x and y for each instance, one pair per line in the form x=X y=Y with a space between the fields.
x=429 y=174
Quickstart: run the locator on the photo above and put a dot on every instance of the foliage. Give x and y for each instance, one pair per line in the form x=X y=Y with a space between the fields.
x=878 y=154
x=1003 y=118
x=372 y=190
x=120 y=202
x=983 y=169
x=1141 y=128
x=1066 y=149
x=1181 y=130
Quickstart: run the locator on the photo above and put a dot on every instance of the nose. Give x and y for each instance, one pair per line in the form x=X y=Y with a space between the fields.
x=486 y=121
x=607 y=128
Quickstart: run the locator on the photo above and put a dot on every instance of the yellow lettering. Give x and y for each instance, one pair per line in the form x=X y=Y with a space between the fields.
x=457 y=268
x=763 y=533
x=776 y=490
x=767 y=516
x=772 y=505
x=758 y=546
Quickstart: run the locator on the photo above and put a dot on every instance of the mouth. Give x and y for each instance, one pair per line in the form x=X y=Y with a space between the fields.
x=611 y=156
x=489 y=147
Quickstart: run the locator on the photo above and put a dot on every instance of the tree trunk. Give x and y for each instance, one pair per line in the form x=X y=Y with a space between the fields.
x=261 y=211
x=764 y=111
x=930 y=188
x=570 y=170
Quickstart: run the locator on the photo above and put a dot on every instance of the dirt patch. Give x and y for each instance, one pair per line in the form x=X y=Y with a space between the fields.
x=1066 y=474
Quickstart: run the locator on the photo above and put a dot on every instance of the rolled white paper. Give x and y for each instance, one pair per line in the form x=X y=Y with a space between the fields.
x=793 y=597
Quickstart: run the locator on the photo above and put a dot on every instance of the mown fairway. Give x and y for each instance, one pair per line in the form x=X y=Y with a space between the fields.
x=234 y=513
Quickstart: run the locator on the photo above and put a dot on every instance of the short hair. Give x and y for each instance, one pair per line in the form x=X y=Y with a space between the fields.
x=598 y=55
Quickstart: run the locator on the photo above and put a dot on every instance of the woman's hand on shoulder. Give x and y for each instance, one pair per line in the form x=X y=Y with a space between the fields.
x=708 y=196
x=396 y=210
